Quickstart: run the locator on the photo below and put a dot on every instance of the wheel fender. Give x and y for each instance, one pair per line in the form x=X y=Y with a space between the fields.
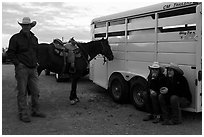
x=138 y=77
x=124 y=92
x=127 y=75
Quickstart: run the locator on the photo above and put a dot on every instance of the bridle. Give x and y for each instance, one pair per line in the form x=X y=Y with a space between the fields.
x=103 y=51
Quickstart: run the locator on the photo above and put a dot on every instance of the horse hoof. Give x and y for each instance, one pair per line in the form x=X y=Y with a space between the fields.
x=73 y=102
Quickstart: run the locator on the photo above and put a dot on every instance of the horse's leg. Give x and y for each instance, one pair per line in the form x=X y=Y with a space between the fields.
x=73 y=95
x=73 y=88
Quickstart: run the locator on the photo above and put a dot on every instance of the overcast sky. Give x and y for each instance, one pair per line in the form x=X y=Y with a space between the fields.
x=61 y=19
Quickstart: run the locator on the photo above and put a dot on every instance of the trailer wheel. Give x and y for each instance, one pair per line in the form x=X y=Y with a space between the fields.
x=137 y=88
x=118 y=88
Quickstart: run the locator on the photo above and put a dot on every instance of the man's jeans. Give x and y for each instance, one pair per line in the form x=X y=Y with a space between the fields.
x=26 y=78
x=171 y=106
x=152 y=105
x=155 y=104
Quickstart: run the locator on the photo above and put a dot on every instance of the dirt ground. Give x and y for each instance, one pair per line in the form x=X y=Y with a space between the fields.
x=95 y=114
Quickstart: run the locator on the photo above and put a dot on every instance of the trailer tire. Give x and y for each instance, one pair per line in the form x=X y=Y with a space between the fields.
x=118 y=88
x=137 y=88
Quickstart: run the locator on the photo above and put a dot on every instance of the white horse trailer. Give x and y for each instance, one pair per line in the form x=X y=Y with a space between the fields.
x=165 y=32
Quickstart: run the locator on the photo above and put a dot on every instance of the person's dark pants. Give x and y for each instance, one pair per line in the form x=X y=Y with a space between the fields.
x=155 y=104
x=171 y=107
x=152 y=103
x=148 y=102
x=26 y=77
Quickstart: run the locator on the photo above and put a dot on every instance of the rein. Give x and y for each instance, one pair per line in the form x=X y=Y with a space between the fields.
x=83 y=56
x=102 y=52
x=88 y=60
x=85 y=53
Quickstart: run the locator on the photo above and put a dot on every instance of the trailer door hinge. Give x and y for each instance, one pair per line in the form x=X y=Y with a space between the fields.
x=196 y=82
x=199 y=75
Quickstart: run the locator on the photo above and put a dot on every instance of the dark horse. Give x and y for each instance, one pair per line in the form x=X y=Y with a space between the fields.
x=47 y=59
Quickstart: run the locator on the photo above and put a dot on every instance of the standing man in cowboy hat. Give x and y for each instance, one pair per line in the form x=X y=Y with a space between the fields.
x=23 y=54
x=155 y=80
x=174 y=96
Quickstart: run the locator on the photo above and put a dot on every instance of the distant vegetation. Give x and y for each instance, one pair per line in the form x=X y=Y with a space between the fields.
x=5 y=59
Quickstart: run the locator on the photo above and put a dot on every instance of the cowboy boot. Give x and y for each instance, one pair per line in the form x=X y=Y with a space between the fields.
x=176 y=115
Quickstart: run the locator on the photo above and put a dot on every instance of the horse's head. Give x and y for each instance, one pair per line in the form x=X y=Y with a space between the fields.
x=106 y=50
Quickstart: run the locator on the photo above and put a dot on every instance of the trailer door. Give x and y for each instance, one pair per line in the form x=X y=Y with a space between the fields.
x=99 y=71
x=198 y=81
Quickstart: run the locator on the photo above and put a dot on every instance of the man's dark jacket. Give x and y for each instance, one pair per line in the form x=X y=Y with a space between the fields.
x=178 y=86
x=156 y=83
x=23 y=49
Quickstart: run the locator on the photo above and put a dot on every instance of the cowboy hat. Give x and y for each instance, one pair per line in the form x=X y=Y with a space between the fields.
x=27 y=21
x=175 y=67
x=156 y=65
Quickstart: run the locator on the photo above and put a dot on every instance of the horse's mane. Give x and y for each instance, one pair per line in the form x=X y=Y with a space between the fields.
x=90 y=43
x=44 y=43
x=93 y=43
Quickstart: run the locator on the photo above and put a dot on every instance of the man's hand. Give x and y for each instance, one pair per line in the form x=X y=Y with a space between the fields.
x=152 y=92
x=163 y=90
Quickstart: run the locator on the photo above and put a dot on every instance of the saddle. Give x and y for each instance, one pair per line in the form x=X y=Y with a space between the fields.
x=69 y=52
x=59 y=46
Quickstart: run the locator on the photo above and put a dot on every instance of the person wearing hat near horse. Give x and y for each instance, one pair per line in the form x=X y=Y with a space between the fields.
x=174 y=95
x=155 y=80
x=23 y=53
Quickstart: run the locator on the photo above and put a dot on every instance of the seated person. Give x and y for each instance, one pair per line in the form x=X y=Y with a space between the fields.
x=155 y=80
x=174 y=96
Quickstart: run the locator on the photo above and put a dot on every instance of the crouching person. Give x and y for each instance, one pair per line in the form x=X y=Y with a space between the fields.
x=174 y=96
x=155 y=80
